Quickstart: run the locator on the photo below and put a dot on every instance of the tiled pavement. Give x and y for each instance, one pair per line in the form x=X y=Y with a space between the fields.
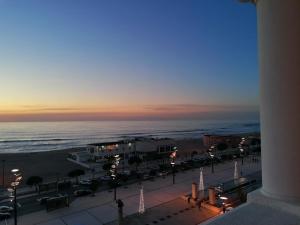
x=175 y=212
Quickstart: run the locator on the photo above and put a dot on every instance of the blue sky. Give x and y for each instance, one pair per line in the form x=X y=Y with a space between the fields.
x=119 y=56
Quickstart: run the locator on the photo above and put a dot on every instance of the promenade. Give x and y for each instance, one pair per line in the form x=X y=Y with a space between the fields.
x=101 y=209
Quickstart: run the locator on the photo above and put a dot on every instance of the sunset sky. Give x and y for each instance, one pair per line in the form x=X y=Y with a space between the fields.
x=127 y=59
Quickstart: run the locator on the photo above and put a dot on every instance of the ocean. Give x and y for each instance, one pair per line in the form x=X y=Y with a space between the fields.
x=18 y=137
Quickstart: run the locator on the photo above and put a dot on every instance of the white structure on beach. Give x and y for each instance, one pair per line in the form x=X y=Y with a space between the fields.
x=144 y=147
x=142 y=203
x=126 y=148
x=201 y=182
x=236 y=174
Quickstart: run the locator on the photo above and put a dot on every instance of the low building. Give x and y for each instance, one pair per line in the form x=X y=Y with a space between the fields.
x=127 y=148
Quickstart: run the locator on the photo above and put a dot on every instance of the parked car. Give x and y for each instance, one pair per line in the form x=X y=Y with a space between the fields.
x=106 y=178
x=82 y=192
x=148 y=177
x=163 y=173
x=4 y=209
x=125 y=172
x=85 y=182
x=43 y=200
x=4 y=216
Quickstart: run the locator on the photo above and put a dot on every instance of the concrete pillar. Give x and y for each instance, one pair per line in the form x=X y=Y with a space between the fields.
x=212 y=196
x=279 y=58
x=194 y=191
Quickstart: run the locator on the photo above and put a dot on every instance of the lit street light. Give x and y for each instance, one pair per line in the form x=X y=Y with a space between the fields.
x=14 y=185
x=113 y=171
x=210 y=152
x=223 y=198
x=241 y=149
x=173 y=158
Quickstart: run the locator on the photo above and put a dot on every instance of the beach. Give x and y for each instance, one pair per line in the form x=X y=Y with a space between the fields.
x=44 y=164
x=50 y=164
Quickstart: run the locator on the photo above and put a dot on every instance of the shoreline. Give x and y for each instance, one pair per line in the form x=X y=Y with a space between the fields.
x=50 y=164
x=79 y=148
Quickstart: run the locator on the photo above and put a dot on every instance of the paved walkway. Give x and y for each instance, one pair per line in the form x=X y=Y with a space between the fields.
x=175 y=212
x=102 y=209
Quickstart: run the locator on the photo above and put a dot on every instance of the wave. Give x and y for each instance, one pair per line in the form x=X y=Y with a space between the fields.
x=45 y=139
x=161 y=132
x=251 y=124
x=36 y=140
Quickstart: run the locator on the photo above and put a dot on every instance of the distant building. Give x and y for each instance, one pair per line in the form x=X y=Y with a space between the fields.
x=127 y=148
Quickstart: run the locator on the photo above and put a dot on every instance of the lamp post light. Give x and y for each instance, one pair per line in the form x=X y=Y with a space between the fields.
x=210 y=152
x=14 y=184
x=172 y=162
x=113 y=171
x=241 y=149
x=223 y=198
x=242 y=155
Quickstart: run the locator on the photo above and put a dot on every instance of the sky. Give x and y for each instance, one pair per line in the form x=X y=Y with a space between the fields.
x=127 y=59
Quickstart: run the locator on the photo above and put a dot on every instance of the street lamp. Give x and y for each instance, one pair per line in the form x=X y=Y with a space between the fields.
x=241 y=149
x=223 y=198
x=210 y=152
x=113 y=171
x=172 y=162
x=14 y=184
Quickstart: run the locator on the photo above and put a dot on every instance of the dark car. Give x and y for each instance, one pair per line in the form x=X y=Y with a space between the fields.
x=5 y=209
x=4 y=216
x=82 y=192
x=43 y=200
x=106 y=178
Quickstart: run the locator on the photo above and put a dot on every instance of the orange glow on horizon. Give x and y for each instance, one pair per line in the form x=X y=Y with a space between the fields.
x=175 y=111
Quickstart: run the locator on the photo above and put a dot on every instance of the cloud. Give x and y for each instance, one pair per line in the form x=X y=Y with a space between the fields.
x=199 y=107
x=146 y=112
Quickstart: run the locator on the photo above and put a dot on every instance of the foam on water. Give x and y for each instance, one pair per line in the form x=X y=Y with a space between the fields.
x=48 y=136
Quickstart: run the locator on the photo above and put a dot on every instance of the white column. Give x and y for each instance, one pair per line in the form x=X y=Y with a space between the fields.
x=279 y=53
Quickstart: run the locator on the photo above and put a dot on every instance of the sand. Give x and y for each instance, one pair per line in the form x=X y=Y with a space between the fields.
x=43 y=164
x=52 y=163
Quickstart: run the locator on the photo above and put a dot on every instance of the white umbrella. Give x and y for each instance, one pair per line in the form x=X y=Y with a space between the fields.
x=201 y=182
x=236 y=171
x=142 y=204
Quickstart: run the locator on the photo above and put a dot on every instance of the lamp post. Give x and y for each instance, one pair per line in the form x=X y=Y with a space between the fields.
x=210 y=152
x=14 y=184
x=223 y=198
x=241 y=149
x=113 y=171
x=173 y=158
x=120 y=211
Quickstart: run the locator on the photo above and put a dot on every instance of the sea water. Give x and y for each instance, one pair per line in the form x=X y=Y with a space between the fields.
x=49 y=136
